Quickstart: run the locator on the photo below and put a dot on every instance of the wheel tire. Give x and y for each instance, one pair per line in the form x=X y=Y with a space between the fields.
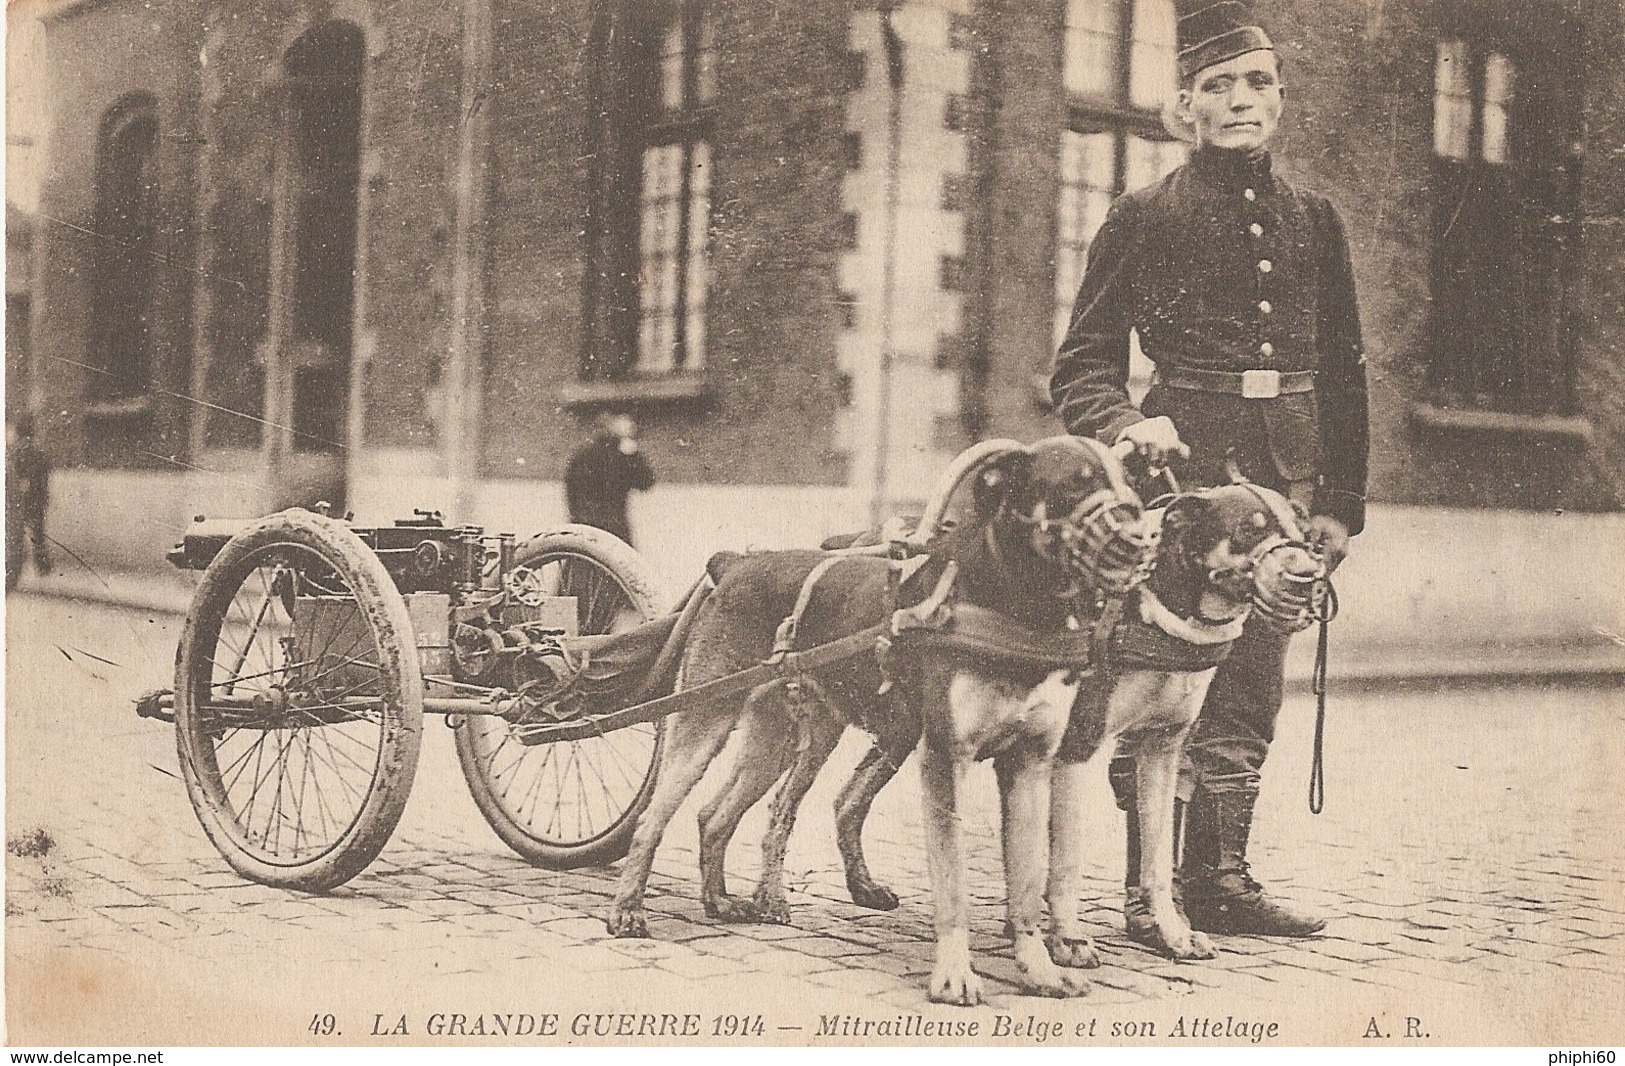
x=509 y=781
x=298 y=583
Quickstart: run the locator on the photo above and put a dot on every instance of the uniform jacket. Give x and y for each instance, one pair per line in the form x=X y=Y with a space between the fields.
x=597 y=481
x=1224 y=266
x=28 y=475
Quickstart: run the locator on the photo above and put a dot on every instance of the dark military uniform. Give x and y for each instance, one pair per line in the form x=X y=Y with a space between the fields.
x=1242 y=293
x=28 y=475
x=1222 y=266
x=598 y=479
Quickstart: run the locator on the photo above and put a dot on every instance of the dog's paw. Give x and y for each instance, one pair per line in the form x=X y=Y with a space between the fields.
x=627 y=922
x=1040 y=976
x=1073 y=953
x=732 y=909
x=1073 y=984
x=955 y=985
x=872 y=894
x=1197 y=946
x=1053 y=982
x=772 y=908
x=1183 y=944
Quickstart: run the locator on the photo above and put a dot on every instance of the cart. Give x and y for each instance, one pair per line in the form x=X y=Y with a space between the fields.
x=313 y=648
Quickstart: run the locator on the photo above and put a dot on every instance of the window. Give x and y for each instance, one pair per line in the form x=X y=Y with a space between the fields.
x=126 y=188
x=1505 y=120
x=676 y=76
x=1472 y=99
x=1119 y=70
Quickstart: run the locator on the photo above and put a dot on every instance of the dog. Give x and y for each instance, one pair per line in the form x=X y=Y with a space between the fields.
x=1053 y=527
x=1222 y=551
x=1229 y=557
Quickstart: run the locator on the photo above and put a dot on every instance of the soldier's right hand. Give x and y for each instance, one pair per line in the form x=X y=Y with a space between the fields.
x=1156 y=439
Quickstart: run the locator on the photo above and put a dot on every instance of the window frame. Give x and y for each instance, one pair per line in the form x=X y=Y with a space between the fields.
x=1524 y=207
x=616 y=364
x=1116 y=116
x=1479 y=55
x=122 y=380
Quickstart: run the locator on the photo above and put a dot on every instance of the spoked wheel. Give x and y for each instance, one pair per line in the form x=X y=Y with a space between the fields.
x=573 y=803
x=298 y=703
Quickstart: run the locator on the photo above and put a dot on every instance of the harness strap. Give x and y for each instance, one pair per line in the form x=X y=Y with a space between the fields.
x=823 y=655
x=928 y=612
x=1100 y=642
x=784 y=639
x=1154 y=612
x=1086 y=722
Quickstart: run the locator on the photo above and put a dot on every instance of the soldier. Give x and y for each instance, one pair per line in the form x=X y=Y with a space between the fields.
x=1240 y=288
x=603 y=472
x=28 y=477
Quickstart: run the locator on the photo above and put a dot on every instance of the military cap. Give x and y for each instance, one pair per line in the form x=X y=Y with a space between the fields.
x=1212 y=31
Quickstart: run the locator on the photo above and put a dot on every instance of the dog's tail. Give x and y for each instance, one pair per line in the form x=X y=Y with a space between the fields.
x=720 y=563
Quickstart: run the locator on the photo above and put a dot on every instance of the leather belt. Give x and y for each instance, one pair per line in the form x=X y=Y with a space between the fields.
x=1252 y=384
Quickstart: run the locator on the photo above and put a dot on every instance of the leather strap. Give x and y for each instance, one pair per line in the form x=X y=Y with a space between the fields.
x=1233 y=383
x=784 y=640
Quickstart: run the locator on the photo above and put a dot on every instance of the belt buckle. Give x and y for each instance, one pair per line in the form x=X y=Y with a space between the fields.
x=1260 y=384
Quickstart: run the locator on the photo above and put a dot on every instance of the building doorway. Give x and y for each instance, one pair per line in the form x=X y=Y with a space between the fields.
x=313 y=264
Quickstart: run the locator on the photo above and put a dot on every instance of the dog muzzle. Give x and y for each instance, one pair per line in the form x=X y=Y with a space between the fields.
x=1105 y=542
x=1287 y=597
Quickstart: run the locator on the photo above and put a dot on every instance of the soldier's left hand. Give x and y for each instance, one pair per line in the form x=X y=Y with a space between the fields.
x=1331 y=536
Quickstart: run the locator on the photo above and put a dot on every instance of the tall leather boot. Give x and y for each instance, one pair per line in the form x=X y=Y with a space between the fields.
x=1221 y=895
x=1137 y=921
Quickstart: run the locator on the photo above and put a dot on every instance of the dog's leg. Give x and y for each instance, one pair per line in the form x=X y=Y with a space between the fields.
x=816 y=738
x=953 y=980
x=1157 y=772
x=1069 y=945
x=1024 y=785
x=692 y=741
x=851 y=810
x=766 y=743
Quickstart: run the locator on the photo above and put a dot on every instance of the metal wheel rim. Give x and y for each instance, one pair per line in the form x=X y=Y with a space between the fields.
x=533 y=783
x=284 y=759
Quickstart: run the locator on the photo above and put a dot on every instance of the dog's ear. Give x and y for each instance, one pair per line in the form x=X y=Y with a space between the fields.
x=1001 y=481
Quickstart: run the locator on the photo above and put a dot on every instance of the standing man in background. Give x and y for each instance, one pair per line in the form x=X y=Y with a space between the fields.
x=603 y=472
x=1241 y=290
x=28 y=481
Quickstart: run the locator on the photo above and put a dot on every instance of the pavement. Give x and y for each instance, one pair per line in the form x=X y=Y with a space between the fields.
x=1469 y=858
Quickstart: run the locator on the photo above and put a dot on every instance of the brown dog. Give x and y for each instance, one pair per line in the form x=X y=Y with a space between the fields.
x=1221 y=550
x=1053 y=525
x=1226 y=553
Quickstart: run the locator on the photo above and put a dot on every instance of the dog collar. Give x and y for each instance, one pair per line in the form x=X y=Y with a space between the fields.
x=1154 y=612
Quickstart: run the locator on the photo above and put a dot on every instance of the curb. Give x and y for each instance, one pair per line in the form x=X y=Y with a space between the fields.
x=1590 y=659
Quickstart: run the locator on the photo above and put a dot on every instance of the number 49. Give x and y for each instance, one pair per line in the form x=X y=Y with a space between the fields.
x=323 y=1024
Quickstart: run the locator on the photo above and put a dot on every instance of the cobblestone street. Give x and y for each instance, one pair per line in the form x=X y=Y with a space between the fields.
x=1469 y=854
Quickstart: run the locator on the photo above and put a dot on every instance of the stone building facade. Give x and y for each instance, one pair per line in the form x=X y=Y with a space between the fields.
x=396 y=255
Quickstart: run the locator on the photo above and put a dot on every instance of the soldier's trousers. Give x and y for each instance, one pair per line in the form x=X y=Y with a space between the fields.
x=1231 y=740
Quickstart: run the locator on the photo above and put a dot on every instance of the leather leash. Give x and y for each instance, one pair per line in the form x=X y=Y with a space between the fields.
x=1317 y=684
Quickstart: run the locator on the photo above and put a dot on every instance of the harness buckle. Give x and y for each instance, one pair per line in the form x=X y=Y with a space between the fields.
x=1260 y=384
x=784 y=639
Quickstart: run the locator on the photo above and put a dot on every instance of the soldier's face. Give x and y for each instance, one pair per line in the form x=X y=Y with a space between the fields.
x=1235 y=104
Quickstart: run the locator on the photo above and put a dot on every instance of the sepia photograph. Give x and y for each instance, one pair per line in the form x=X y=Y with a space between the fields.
x=832 y=523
